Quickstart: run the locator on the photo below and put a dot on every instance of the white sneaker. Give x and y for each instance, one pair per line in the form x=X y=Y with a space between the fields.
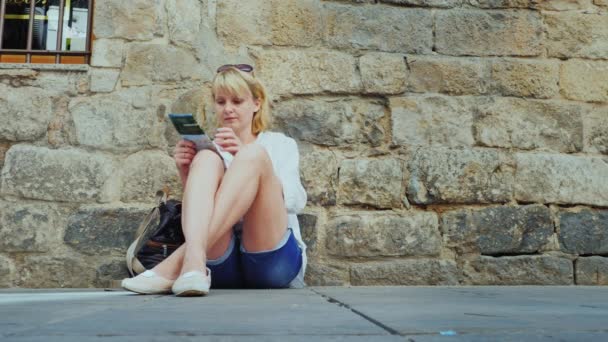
x=193 y=283
x=148 y=283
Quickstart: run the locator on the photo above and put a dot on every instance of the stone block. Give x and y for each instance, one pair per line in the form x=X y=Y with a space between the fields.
x=65 y=175
x=454 y=76
x=307 y=72
x=378 y=27
x=25 y=113
x=377 y=183
x=183 y=21
x=485 y=33
x=30 y=227
x=585 y=80
x=156 y=63
x=318 y=274
x=559 y=178
x=104 y=80
x=583 y=231
x=295 y=23
x=519 y=270
x=458 y=175
x=332 y=122
x=103 y=230
x=319 y=175
x=145 y=172
x=529 y=124
x=309 y=231
x=531 y=78
x=576 y=34
x=124 y=128
x=383 y=73
x=591 y=271
x=7 y=272
x=107 y=53
x=377 y=234
x=132 y=20
x=425 y=3
x=595 y=130
x=244 y=23
x=497 y=230
x=503 y=3
x=111 y=271
x=431 y=120
x=405 y=272
x=4 y=147
x=55 y=271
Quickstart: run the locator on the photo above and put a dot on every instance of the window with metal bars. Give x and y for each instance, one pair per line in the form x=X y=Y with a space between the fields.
x=59 y=31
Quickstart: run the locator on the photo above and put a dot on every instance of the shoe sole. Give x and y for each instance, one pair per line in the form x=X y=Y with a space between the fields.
x=192 y=293
x=147 y=292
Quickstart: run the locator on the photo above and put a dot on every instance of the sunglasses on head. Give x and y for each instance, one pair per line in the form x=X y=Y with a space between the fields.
x=242 y=67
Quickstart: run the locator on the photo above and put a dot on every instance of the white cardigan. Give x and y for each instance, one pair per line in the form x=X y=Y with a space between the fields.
x=285 y=157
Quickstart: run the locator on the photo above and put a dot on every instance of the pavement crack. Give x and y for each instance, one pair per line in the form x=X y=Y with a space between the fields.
x=359 y=313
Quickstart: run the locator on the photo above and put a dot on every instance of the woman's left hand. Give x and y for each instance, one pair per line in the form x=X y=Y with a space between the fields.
x=227 y=139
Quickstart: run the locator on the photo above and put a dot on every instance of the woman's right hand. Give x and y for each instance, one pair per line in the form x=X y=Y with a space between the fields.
x=183 y=154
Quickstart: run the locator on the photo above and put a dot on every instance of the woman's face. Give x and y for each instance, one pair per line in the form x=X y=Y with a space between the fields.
x=235 y=110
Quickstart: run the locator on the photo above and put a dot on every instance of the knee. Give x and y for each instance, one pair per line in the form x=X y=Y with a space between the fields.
x=204 y=159
x=255 y=156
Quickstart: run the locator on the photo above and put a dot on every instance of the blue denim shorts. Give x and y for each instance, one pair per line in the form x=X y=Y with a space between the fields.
x=271 y=269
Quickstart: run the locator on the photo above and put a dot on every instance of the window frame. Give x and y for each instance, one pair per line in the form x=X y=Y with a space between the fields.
x=59 y=54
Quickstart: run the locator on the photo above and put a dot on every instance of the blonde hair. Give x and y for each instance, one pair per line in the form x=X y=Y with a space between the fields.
x=237 y=82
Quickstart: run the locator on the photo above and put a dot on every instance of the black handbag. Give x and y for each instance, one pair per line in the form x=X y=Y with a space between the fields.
x=158 y=235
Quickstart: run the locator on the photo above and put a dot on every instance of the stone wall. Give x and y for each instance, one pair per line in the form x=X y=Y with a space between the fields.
x=442 y=141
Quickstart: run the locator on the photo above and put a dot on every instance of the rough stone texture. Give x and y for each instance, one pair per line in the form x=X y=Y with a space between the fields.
x=309 y=230
x=585 y=80
x=69 y=175
x=24 y=112
x=331 y=122
x=383 y=73
x=34 y=227
x=319 y=175
x=457 y=175
x=295 y=23
x=425 y=3
x=133 y=20
x=503 y=3
x=526 y=78
x=4 y=147
x=51 y=271
x=104 y=80
x=555 y=178
x=103 y=230
x=584 y=231
x=318 y=274
x=7 y=271
x=591 y=271
x=156 y=63
x=518 y=270
x=595 y=130
x=577 y=34
x=601 y=2
x=377 y=27
x=124 y=128
x=497 y=230
x=431 y=120
x=107 y=53
x=484 y=33
x=455 y=76
x=111 y=271
x=307 y=72
x=405 y=272
x=146 y=172
x=246 y=22
x=372 y=235
x=184 y=20
x=377 y=183
x=529 y=124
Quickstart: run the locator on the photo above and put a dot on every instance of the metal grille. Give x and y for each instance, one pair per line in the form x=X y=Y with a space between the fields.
x=37 y=26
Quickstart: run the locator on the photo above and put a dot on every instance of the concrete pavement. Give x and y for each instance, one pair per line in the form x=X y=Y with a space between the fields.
x=521 y=313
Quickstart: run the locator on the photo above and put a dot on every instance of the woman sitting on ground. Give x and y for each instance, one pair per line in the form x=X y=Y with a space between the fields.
x=239 y=209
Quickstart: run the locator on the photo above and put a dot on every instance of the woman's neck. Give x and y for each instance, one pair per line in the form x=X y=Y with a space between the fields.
x=246 y=136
